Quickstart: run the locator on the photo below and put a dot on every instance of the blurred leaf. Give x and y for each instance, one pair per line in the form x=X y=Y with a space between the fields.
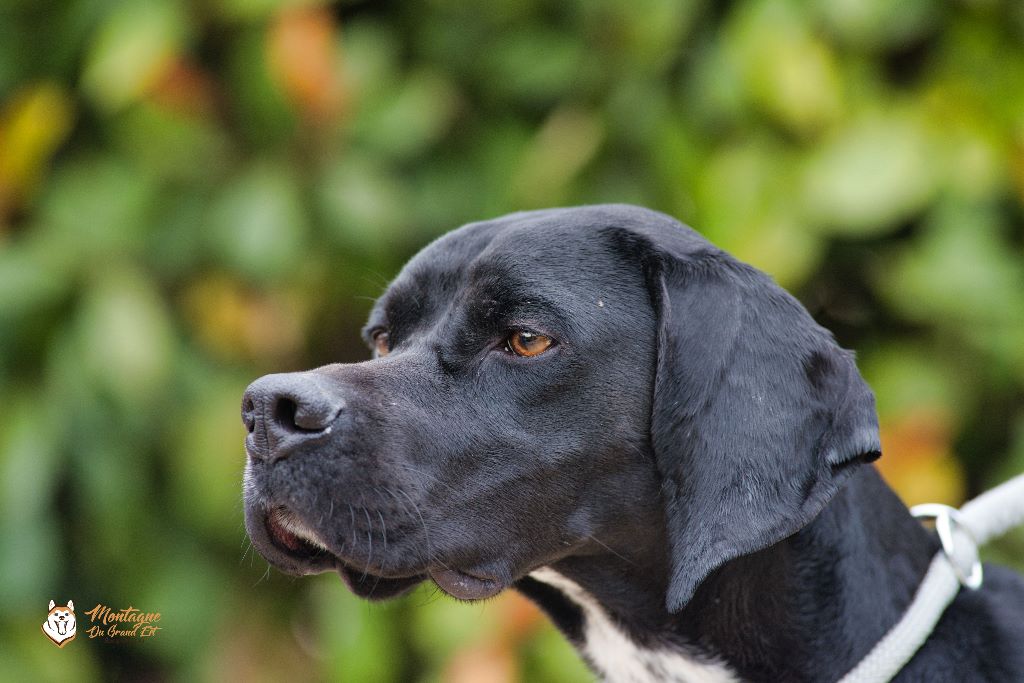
x=32 y=282
x=443 y=626
x=301 y=51
x=535 y=64
x=32 y=126
x=869 y=176
x=95 y=209
x=357 y=637
x=959 y=271
x=549 y=656
x=263 y=115
x=170 y=144
x=878 y=24
x=190 y=591
x=923 y=469
x=234 y=322
x=206 y=466
x=968 y=151
x=907 y=377
x=411 y=119
x=482 y=664
x=566 y=142
x=754 y=219
x=35 y=660
x=30 y=558
x=133 y=50
x=257 y=224
x=186 y=89
x=370 y=52
x=256 y=647
x=363 y=204
x=126 y=337
x=642 y=35
x=785 y=68
x=253 y=10
x=29 y=461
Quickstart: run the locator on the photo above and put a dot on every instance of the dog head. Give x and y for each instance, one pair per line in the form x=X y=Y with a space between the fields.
x=60 y=624
x=546 y=385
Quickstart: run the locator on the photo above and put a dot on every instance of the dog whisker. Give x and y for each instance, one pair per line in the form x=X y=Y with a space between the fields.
x=384 y=533
x=369 y=544
x=352 y=515
x=604 y=545
x=426 y=532
x=407 y=511
x=266 y=575
x=432 y=477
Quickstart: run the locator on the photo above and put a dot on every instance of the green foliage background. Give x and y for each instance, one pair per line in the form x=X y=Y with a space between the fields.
x=196 y=193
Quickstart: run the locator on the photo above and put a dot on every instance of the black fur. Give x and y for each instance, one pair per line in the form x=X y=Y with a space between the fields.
x=689 y=452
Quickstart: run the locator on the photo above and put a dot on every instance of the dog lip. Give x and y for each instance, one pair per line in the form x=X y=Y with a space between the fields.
x=373 y=586
x=290 y=531
x=300 y=550
x=305 y=553
x=465 y=586
x=282 y=547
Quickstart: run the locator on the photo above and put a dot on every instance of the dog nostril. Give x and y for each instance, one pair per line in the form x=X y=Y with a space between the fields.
x=284 y=414
x=311 y=417
x=249 y=415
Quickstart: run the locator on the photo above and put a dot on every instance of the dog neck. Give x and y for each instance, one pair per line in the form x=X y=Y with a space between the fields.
x=807 y=608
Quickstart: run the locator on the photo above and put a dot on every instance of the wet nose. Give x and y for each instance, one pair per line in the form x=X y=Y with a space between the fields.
x=284 y=411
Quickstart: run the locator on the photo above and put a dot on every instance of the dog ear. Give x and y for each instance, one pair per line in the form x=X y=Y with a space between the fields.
x=757 y=417
x=71 y=605
x=52 y=603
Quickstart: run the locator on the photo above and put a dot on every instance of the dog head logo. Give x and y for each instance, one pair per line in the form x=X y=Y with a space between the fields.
x=60 y=623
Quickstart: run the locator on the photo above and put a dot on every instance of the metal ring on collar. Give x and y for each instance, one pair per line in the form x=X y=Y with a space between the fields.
x=946 y=519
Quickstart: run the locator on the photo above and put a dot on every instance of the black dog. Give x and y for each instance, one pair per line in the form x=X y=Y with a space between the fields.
x=651 y=440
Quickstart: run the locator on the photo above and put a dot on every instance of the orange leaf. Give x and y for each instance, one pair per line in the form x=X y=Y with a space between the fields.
x=918 y=459
x=302 y=54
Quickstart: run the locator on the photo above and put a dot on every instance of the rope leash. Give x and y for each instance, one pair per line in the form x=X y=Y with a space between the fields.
x=961 y=531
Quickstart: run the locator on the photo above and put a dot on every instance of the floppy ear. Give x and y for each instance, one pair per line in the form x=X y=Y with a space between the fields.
x=757 y=418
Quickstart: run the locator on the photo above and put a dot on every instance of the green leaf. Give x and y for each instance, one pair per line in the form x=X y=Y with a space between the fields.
x=208 y=458
x=258 y=224
x=958 y=274
x=413 y=118
x=786 y=71
x=878 y=24
x=126 y=337
x=132 y=50
x=869 y=176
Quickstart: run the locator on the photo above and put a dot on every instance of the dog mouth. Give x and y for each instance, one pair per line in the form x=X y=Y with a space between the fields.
x=290 y=535
x=299 y=549
x=305 y=552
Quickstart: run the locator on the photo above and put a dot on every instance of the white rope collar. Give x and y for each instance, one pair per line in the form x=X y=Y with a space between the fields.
x=961 y=531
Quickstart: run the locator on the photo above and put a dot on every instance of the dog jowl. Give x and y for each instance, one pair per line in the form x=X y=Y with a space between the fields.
x=60 y=625
x=653 y=441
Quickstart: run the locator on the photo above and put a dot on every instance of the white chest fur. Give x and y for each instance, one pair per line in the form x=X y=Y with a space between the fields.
x=617 y=657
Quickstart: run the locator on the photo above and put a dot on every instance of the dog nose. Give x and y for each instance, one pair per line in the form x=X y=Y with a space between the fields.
x=283 y=411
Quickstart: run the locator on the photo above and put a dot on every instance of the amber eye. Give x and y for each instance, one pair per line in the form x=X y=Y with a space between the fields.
x=381 y=344
x=528 y=344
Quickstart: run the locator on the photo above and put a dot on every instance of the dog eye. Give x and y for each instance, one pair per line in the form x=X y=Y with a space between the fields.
x=528 y=344
x=381 y=343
